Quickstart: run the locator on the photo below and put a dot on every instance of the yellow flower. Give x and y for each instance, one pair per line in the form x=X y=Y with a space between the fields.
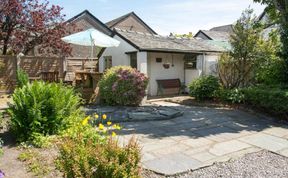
x=85 y=121
x=109 y=123
x=115 y=126
x=101 y=127
x=104 y=116
x=113 y=134
x=96 y=116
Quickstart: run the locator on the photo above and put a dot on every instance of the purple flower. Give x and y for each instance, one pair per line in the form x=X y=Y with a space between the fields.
x=2 y=175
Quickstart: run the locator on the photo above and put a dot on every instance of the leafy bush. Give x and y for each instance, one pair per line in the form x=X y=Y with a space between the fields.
x=204 y=87
x=42 y=108
x=89 y=152
x=123 y=85
x=22 y=78
x=231 y=95
x=85 y=159
x=1 y=147
x=271 y=72
x=274 y=100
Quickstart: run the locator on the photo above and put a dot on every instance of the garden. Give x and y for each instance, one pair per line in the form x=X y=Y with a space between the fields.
x=253 y=75
x=48 y=117
x=47 y=125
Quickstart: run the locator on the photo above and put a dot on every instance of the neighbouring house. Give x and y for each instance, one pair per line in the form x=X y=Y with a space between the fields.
x=132 y=22
x=84 y=21
x=80 y=54
x=163 y=57
x=220 y=33
x=264 y=19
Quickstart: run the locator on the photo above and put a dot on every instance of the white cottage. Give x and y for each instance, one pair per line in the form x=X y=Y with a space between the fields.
x=162 y=57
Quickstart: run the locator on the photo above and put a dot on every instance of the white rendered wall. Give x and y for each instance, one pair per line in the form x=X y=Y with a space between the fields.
x=157 y=71
x=118 y=54
x=192 y=74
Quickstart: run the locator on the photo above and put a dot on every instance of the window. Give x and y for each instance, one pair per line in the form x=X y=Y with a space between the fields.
x=190 y=61
x=107 y=62
x=133 y=60
x=158 y=60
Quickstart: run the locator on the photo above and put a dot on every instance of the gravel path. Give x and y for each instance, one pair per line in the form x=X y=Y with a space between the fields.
x=263 y=164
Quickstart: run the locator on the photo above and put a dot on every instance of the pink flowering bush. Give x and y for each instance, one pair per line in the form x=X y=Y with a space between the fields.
x=123 y=85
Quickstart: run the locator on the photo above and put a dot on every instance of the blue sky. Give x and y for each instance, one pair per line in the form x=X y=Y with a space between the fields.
x=164 y=16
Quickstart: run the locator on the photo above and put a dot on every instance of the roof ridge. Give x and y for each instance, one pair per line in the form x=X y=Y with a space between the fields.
x=118 y=19
x=153 y=35
x=114 y=22
x=90 y=14
x=137 y=32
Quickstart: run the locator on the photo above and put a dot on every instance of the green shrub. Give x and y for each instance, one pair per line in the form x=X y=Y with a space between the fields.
x=42 y=108
x=271 y=72
x=123 y=85
x=204 y=87
x=88 y=153
x=274 y=100
x=1 y=147
x=22 y=78
x=231 y=95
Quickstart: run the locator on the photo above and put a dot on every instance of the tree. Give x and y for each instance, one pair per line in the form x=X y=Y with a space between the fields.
x=280 y=8
x=271 y=70
x=26 y=24
x=189 y=35
x=236 y=68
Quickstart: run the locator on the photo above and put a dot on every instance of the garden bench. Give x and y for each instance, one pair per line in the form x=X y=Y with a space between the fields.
x=169 y=87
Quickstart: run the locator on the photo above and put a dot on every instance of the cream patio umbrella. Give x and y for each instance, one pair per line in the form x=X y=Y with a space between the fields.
x=91 y=37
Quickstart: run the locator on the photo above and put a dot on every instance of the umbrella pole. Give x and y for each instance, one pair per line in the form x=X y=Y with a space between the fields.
x=91 y=57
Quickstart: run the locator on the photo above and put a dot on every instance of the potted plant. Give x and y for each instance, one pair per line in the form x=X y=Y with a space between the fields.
x=166 y=65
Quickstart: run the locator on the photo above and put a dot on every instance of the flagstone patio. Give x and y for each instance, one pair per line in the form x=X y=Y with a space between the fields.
x=203 y=136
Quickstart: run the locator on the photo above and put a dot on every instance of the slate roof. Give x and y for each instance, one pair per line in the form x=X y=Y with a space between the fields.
x=86 y=12
x=223 y=28
x=111 y=24
x=157 y=43
x=216 y=35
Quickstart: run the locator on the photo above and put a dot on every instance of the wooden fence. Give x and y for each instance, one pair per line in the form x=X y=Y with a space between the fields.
x=73 y=64
x=34 y=65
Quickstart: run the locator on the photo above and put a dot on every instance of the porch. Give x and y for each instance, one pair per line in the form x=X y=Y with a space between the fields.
x=183 y=66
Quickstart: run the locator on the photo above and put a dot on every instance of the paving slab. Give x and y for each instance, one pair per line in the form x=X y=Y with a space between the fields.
x=172 y=164
x=284 y=152
x=203 y=136
x=277 y=131
x=218 y=134
x=266 y=141
x=224 y=148
x=158 y=145
x=147 y=157
x=170 y=150
x=197 y=142
x=193 y=151
x=203 y=156
x=233 y=156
